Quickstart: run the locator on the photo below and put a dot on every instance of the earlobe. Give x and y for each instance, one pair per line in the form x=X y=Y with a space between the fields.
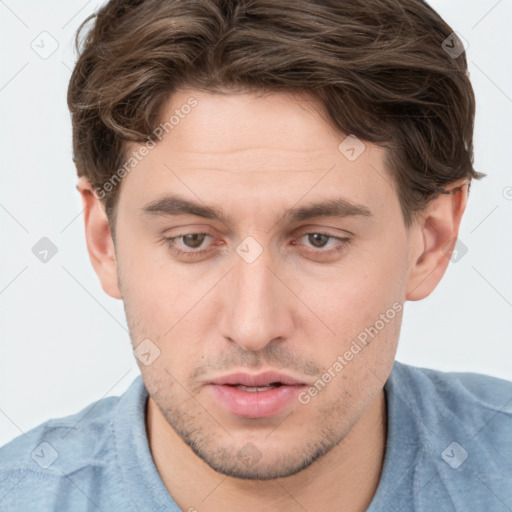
x=100 y=245
x=433 y=239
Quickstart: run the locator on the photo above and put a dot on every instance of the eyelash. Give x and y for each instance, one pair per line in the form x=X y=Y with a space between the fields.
x=343 y=241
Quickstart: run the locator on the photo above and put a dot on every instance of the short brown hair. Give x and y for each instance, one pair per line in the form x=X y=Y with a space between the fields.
x=378 y=68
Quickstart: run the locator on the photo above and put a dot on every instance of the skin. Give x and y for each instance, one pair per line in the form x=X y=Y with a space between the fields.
x=294 y=309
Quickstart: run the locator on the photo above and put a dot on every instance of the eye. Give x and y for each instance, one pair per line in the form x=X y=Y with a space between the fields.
x=193 y=244
x=320 y=242
x=191 y=241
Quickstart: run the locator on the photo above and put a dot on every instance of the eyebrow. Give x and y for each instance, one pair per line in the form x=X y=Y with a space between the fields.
x=174 y=205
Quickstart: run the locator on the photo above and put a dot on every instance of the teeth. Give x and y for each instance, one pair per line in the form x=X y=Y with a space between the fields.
x=253 y=389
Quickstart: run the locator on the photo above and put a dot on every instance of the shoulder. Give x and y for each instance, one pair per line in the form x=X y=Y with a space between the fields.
x=82 y=435
x=470 y=409
x=463 y=421
x=449 y=444
x=465 y=393
x=48 y=463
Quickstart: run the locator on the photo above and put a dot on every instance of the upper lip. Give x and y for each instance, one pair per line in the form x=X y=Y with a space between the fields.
x=260 y=379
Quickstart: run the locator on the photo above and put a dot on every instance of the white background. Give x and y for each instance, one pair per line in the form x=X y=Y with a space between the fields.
x=64 y=342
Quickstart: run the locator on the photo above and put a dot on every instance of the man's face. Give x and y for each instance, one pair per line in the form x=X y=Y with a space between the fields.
x=262 y=289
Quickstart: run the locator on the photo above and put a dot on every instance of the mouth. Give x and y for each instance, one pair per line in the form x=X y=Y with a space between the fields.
x=256 y=395
x=254 y=380
x=255 y=389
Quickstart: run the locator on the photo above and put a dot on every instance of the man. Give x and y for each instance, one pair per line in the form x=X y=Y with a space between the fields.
x=265 y=185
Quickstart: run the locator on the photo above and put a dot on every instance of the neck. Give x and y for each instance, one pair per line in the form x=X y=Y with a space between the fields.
x=345 y=478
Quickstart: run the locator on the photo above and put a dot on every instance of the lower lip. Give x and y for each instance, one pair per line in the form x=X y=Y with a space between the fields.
x=255 y=404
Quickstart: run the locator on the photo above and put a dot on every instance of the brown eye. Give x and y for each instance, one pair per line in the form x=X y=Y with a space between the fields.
x=323 y=243
x=193 y=240
x=318 y=240
x=188 y=244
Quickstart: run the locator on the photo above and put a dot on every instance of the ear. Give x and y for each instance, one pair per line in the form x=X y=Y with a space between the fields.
x=433 y=238
x=99 y=239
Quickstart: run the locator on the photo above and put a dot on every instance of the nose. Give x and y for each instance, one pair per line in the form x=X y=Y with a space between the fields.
x=256 y=304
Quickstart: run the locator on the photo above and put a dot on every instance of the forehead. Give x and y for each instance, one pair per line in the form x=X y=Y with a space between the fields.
x=290 y=121
x=276 y=147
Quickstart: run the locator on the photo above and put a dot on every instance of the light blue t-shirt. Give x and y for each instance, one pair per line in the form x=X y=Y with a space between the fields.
x=449 y=448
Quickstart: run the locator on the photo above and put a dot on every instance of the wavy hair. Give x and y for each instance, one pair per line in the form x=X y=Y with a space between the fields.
x=379 y=69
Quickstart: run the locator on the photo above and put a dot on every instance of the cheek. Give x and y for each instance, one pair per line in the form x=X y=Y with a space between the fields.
x=379 y=272
x=359 y=290
x=151 y=284
x=165 y=304
x=362 y=304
